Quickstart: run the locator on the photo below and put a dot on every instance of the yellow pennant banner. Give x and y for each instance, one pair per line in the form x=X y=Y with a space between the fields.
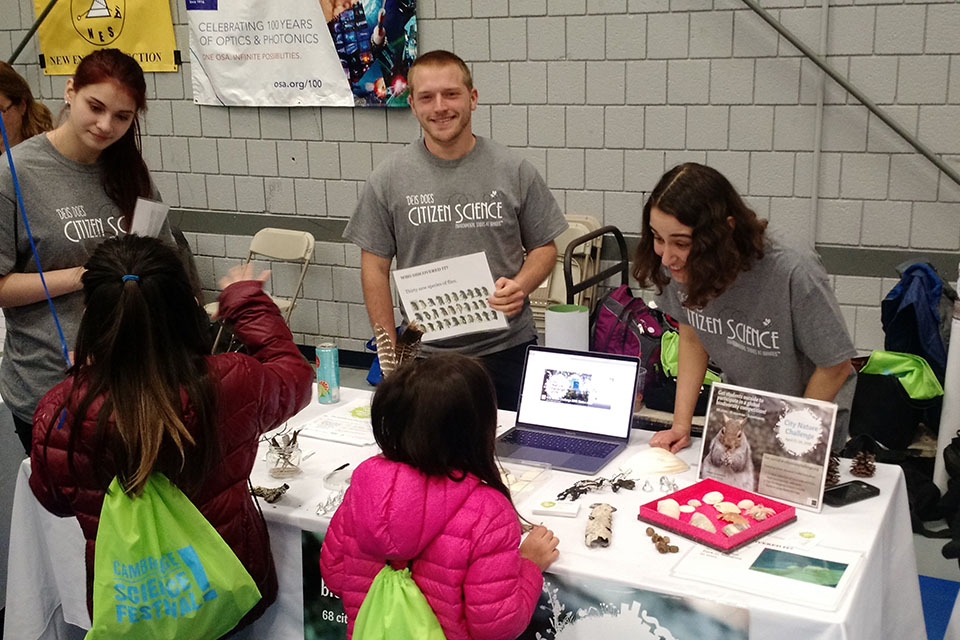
x=74 y=28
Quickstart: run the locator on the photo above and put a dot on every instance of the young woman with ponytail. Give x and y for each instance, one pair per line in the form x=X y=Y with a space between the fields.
x=79 y=184
x=144 y=396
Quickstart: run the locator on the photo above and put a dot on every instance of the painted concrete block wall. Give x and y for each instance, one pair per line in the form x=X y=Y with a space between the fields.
x=602 y=96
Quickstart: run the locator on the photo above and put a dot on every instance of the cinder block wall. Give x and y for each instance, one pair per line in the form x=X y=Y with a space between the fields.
x=602 y=96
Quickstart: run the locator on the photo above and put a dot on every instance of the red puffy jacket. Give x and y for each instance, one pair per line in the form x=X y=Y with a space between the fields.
x=255 y=393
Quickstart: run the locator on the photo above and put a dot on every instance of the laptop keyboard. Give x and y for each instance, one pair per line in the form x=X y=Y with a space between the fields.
x=564 y=444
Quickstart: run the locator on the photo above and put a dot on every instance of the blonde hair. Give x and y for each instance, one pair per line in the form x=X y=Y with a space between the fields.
x=440 y=58
x=36 y=117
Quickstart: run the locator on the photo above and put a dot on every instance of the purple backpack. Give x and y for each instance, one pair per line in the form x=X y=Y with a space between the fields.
x=625 y=325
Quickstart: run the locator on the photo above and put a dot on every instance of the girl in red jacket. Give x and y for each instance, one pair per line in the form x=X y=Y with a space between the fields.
x=145 y=396
x=435 y=501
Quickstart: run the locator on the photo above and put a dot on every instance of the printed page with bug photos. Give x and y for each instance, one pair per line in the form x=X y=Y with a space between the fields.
x=448 y=298
x=768 y=443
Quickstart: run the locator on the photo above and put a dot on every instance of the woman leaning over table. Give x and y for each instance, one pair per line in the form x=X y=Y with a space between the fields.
x=79 y=184
x=23 y=117
x=746 y=299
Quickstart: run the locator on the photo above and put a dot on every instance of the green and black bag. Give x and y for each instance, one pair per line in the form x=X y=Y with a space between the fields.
x=162 y=571
x=395 y=609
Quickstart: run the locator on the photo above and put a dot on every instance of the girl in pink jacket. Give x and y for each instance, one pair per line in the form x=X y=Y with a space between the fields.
x=434 y=499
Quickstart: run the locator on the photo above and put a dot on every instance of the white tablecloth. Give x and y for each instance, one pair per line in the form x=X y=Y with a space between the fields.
x=883 y=601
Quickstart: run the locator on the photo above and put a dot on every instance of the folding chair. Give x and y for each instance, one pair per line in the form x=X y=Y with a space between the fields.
x=585 y=260
x=276 y=245
x=622 y=266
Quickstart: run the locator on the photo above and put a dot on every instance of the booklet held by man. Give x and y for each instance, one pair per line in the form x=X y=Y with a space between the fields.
x=449 y=298
x=772 y=444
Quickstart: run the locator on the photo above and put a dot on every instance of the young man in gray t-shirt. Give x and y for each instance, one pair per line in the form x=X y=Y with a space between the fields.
x=411 y=208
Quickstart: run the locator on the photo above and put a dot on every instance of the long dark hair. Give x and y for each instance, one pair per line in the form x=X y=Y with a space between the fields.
x=701 y=198
x=141 y=349
x=36 y=116
x=439 y=415
x=123 y=172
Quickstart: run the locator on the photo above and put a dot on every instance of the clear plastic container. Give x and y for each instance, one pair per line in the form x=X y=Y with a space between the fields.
x=284 y=461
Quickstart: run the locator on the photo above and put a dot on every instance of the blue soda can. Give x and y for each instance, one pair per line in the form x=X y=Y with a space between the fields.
x=328 y=373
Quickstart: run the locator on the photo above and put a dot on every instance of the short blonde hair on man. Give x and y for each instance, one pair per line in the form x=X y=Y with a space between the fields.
x=439 y=58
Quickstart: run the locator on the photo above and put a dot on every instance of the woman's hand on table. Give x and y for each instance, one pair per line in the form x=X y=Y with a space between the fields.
x=540 y=547
x=673 y=439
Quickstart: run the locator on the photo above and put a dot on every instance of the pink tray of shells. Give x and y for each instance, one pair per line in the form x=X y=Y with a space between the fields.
x=718 y=515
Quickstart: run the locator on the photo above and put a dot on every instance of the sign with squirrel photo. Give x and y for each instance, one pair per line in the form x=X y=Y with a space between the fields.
x=772 y=444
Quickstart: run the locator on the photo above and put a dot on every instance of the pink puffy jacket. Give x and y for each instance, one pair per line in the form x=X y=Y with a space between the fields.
x=463 y=539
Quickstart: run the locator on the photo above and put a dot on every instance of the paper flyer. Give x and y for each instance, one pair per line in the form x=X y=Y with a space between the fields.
x=812 y=577
x=348 y=423
x=768 y=443
x=148 y=217
x=448 y=298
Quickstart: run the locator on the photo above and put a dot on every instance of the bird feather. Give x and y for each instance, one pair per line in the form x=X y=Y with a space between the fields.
x=385 y=350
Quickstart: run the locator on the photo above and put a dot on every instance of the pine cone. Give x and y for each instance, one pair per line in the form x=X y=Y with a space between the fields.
x=864 y=465
x=833 y=471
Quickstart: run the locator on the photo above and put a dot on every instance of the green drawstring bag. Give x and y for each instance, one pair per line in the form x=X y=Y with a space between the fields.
x=162 y=571
x=913 y=372
x=395 y=609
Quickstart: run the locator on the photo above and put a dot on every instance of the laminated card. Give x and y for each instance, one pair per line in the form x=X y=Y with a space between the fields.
x=448 y=298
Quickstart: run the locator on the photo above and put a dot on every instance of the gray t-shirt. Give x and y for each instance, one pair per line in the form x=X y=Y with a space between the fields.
x=773 y=326
x=421 y=208
x=69 y=215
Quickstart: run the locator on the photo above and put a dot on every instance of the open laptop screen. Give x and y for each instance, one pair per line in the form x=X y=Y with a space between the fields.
x=579 y=391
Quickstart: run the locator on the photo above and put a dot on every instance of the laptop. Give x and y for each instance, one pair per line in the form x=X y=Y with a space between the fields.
x=575 y=409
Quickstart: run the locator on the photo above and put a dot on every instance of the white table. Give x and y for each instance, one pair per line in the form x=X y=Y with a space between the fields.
x=46 y=553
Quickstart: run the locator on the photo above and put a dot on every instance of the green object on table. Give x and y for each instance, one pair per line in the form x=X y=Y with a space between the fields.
x=162 y=571
x=395 y=609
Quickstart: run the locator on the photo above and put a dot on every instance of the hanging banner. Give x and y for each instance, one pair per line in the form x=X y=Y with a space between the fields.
x=570 y=608
x=74 y=28
x=289 y=53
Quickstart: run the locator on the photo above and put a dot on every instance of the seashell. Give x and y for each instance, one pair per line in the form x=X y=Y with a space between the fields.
x=733 y=529
x=760 y=512
x=693 y=502
x=685 y=508
x=746 y=503
x=703 y=522
x=734 y=518
x=669 y=507
x=726 y=507
x=713 y=497
x=656 y=461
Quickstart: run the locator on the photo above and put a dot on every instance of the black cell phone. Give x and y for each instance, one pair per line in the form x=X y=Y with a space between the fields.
x=849 y=492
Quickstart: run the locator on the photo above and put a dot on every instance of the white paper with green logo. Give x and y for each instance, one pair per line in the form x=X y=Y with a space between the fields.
x=348 y=423
x=162 y=571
